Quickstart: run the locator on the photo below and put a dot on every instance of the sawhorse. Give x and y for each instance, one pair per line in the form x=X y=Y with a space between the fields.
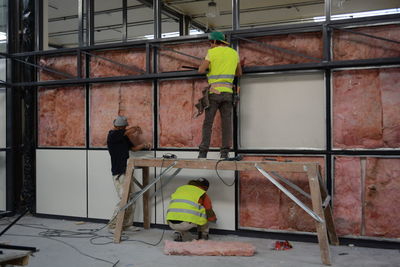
x=321 y=210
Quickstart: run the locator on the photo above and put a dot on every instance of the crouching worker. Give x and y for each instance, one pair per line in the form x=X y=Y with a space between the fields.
x=191 y=207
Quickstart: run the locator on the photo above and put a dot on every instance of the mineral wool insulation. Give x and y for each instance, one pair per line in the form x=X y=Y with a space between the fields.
x=365 y=115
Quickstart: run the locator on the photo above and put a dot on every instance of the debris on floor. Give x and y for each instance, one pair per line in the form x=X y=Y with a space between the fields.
x=282 y=245
x=209 y=248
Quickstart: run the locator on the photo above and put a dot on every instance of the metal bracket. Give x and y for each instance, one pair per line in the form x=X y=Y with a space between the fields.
x=292 y=185
x=138 y=194
x=167 y=180
x=365 y=34
x=284 y=50
x=290 y=195
x=326 y=202
x=131 y=68
x=178 y=52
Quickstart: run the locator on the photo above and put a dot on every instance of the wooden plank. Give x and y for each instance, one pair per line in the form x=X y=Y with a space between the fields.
x=316 y=200
x=21 y=261
x=330 y=224
x=146 y=213
x=13 y=257
x=223 y=165
x=125 y=196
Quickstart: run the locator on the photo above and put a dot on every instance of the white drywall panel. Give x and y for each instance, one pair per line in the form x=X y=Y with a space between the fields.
x=61 y=182
x=2 y=117
x=222 y=196
x=102 y=198
x=3 y=180
x=282 y=111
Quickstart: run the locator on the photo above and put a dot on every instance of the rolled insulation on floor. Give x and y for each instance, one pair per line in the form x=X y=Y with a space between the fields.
x=208 y=248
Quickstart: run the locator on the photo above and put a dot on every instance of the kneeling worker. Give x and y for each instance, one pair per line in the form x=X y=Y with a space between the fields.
x=191 y=207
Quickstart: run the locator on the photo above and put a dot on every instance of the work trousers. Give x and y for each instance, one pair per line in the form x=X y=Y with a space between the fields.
x=223 y=103
x=128 y=219
x=184 y=227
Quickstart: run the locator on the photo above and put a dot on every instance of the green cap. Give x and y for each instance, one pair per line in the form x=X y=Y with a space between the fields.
x=217 y=36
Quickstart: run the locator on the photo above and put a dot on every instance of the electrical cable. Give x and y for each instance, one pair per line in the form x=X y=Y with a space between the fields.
x=216 y=171
x=71 y=246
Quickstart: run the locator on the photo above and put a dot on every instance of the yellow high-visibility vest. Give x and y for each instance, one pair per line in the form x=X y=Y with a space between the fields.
x=184 y=205
x=223 y=63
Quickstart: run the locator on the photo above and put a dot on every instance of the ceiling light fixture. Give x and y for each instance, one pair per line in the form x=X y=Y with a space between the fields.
x=212 y=10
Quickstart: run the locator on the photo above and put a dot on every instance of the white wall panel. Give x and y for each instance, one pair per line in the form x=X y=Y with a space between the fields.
x=102 y=197
x=3 y=180
x=282 y=111
x=61 y=182
x=222 y=197
x=2 y=117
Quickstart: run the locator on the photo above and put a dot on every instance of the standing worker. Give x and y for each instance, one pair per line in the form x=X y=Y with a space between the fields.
x=119 y=143
x=223 y=64
x=191 y=207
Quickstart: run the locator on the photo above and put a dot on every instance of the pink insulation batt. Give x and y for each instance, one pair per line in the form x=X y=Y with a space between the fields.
x=347 y=202
x=61 y=117
x=209 y=248
x=171 y=61
x=66 y=64
x=309 y=44
x=263 y=205
x=348 y=46
x=382 y=191
x=374 y=185
x=134 y=58
x=132 y=100
x=366 y=108
x=177 y=125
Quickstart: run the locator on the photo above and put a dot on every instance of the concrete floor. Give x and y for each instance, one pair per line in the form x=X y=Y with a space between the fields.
x=67 y=251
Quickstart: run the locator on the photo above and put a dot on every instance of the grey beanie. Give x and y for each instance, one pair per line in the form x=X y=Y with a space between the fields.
x=121 y=121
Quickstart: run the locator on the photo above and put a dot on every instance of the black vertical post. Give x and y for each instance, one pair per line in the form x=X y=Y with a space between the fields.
x=326 y=35
x=90 y=22
x=39 y=23
x=14 y=117
x=28 y=43
x=124 y=20
x=157 y=18
x=235 y=44
x=80 y=22
x=235 y=14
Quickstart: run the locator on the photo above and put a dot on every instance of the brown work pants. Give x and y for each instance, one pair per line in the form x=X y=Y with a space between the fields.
x=223 y=103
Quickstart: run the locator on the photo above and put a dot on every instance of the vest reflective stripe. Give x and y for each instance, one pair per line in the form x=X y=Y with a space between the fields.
x=188 y=211
x=197 y=205
x=223 y=63
x=221 y=77
x=184 y=205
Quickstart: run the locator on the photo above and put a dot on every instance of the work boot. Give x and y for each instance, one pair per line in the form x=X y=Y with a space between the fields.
x=177 y=237
x=202 y=155
x=201 y=235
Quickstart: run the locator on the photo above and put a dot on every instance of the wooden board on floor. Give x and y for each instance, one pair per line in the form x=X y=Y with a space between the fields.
x=14 y=257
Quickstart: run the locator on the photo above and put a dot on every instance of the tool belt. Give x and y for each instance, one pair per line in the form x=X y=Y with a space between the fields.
x=203 y=102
